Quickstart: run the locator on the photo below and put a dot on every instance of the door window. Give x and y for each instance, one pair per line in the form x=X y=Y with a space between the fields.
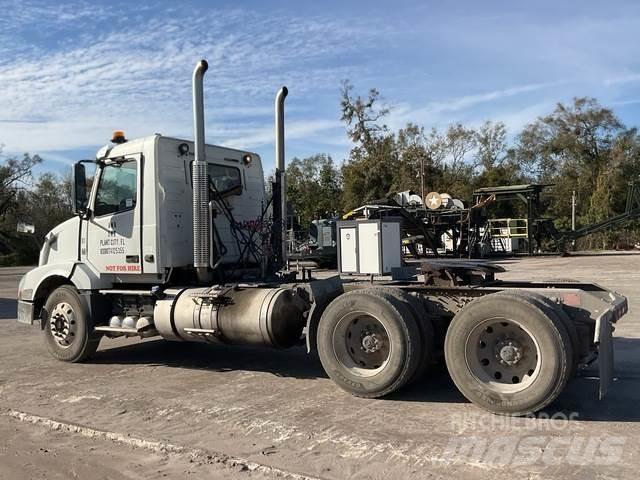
x=117 y=190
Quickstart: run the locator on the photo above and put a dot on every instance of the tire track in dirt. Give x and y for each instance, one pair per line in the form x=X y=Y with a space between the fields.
x=195 y=454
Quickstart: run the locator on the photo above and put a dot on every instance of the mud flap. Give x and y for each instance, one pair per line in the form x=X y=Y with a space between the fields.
x=604 y=342
x=322 y=293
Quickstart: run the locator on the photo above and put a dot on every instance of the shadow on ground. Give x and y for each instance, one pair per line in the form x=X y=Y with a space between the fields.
x=8 y=308
x=622 y=402
x=580 y=398
x=218 y=358
x=295 y=362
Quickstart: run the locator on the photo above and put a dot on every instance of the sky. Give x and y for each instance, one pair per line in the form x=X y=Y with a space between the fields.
x=71 y=72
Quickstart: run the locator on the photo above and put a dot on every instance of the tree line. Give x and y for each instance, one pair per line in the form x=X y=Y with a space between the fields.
x=581 y=146
x=26 y=201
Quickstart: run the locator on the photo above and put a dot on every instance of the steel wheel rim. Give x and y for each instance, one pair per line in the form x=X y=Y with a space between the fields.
x=503 y=355
x=361 y=344
x=63 y=324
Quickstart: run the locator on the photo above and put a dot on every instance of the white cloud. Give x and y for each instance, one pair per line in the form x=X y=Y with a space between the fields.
x=136 y=75
x=468 y=101
x=623 y=78
x=294 y=130
x=441 y=112
x=73 y=71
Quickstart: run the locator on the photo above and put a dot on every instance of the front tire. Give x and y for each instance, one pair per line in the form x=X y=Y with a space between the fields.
x=67 y=326
x=368 y=343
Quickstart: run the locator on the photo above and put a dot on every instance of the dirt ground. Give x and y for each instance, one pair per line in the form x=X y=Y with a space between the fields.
x=156 y=409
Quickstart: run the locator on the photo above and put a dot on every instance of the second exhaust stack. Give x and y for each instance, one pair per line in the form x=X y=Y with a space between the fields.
x=280 y=173
x=201 y=225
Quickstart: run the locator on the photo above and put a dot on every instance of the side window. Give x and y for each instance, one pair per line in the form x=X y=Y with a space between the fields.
x=117 y=189
x=227 y=180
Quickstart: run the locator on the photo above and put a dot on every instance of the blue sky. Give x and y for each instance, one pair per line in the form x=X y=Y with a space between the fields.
x=71 y=72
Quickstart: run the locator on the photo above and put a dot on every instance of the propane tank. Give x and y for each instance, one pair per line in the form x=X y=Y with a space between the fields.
x=249 y=316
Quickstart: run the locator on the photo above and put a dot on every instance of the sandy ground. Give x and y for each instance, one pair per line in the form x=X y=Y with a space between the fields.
x=156 y=409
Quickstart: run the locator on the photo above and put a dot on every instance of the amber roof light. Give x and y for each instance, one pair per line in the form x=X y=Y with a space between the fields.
x=118 y=137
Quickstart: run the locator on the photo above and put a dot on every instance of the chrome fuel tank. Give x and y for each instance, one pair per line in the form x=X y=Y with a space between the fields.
x=251 y=316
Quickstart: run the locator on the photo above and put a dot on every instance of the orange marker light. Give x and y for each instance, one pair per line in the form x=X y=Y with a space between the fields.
x=118 y=137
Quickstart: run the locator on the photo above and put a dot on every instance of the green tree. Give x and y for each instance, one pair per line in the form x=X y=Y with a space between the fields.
x=43 y=202
x=495 y=160
x=458 y=165
x=491 y=140
x=313 y=188
x=49 y=203
x=15 y=180
x=581 y=147
x=15 y=175
x=368 y=173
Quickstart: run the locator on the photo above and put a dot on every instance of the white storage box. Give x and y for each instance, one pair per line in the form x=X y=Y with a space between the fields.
x=369 y=246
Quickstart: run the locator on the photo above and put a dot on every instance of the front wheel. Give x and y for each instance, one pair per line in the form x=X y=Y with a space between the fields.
x=67 y=326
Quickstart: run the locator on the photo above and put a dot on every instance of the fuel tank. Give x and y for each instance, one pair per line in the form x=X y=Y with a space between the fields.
x=243 y=316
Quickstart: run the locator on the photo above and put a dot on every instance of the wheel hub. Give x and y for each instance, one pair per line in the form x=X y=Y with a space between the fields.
x=502 y=354
x=59 y=323
x=361 y=343
x=509 y=352
x=63 y=324
x=371 y=343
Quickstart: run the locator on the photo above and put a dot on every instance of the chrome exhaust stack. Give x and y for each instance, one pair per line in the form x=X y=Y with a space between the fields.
x=201 y=225
x=280 y=173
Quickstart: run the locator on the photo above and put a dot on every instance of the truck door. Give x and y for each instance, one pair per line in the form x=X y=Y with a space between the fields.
x=113 y=234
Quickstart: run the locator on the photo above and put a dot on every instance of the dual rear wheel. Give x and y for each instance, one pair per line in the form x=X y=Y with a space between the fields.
x=511 y=353
x=369 y=342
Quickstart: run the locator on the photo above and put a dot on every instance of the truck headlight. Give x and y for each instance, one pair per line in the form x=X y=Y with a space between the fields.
x=26 y=293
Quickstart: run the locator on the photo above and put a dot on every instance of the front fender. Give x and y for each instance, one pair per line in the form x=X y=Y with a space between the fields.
x=36 y=284
x=32 y=281
x=33 y=285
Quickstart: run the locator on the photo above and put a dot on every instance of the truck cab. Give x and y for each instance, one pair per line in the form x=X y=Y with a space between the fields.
x=134 y=217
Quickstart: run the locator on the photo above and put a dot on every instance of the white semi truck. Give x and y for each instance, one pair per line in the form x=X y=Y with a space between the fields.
x=168 y=240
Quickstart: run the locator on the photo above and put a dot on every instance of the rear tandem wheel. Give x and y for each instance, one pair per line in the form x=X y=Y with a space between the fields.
x=423 y=321
x=507 y=354
x=368 y=343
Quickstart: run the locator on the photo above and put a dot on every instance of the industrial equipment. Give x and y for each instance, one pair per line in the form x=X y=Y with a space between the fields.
x=319 y=245
x=370 y=247
x=177 y=239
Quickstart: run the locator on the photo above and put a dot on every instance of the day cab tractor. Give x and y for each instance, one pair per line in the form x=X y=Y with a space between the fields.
x=178 y=239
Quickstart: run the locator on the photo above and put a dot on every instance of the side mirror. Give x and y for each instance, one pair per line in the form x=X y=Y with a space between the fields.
x=79 y=190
